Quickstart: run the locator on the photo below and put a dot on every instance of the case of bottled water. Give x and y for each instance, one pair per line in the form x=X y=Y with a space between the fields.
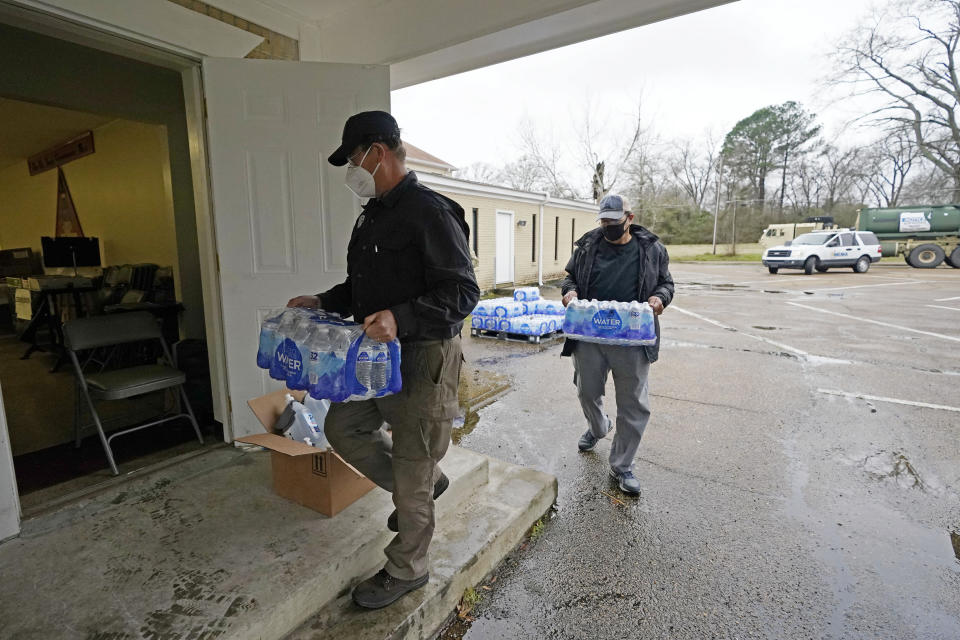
x=486 y=307
x=606 y=322
x=547 y=308
x=327 y=356
x=528 y=294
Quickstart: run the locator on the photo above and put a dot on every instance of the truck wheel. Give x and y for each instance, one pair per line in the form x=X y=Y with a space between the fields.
x=954 y=258
x=773 y=269
x=926 y=256
x=863 y=265
x=821 y=269
x=811 y=263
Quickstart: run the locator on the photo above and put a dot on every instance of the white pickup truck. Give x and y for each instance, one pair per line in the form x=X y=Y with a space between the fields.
x=822 y=250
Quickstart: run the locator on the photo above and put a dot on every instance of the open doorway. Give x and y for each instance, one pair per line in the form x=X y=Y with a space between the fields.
x=134 y=193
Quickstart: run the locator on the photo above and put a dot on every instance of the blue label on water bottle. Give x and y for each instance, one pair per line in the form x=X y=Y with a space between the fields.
x=606 y=320
x=363 y=357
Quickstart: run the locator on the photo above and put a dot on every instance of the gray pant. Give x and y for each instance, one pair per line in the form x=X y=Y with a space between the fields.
x=629 y=365
x=405 y=464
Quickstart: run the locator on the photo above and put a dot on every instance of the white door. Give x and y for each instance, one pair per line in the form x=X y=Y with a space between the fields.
x=504 y=255
x=9 y=501
x=282 y=214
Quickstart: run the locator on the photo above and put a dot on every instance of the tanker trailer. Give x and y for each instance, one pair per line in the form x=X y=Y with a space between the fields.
x=924 y=235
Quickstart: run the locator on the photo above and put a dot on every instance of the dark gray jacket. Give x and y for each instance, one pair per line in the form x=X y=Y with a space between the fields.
x=654 y=276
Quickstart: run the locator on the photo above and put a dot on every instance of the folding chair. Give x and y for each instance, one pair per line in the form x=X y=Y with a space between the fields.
x=90 y=334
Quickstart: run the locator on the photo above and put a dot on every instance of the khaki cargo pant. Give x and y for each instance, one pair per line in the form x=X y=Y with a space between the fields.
x=421 y=417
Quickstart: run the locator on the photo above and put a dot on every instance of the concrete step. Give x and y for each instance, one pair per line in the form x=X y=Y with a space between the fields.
x=352 y=547
x=469 y=542
x=198 y=550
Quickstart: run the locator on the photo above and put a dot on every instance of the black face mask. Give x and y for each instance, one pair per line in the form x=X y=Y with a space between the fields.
x=613 y=232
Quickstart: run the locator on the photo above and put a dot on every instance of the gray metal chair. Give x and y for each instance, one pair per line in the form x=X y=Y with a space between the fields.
x=97 y=332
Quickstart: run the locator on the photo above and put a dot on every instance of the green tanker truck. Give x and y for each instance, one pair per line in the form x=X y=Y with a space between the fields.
x=924 y=235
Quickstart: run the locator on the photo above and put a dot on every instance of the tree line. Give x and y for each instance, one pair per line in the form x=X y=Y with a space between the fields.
x=778 y=164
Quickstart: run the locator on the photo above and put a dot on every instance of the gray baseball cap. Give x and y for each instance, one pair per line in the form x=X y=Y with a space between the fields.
x=612 y=208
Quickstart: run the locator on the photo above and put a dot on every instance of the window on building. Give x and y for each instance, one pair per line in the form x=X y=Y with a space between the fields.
x=533 y=244
x=556 y=238
x=476 y=217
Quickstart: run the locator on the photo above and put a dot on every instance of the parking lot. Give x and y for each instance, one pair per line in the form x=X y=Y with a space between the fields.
x=801 y=469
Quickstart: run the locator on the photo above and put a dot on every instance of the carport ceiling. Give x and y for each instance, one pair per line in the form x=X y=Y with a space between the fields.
x=27 y=128
x=427 y=39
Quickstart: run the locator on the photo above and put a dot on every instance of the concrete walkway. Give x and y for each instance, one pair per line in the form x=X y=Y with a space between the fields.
x=204 y=549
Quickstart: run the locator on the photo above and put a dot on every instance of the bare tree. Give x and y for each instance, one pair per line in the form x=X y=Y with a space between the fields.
x=890 y=161
x=840 y=170
x=607 y=151
x=693 y=165
x=541 y=164
x=906 y=55
x=481 y=172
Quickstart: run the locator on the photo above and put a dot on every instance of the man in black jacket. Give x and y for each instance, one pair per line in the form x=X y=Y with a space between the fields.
x=624 y=262
x=409 y=276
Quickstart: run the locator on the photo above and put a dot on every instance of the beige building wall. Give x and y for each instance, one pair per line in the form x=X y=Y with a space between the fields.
x=526 y=236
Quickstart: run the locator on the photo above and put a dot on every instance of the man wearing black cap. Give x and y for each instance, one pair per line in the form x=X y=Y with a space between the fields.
x=624 y=262
x=409 y=276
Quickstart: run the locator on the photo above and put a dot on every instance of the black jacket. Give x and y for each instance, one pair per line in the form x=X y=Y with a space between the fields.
x=409 y=253
x=654 y=276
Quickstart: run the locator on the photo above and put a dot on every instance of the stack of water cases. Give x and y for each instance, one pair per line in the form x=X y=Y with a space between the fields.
x=327 y=357
x=623 y=323
x=525 y=314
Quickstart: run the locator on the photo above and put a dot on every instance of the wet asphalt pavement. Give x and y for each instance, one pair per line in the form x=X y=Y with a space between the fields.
x=776 y=503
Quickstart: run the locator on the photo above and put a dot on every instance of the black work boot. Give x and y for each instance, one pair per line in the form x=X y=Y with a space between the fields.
x=382 y=589
x=438 y=488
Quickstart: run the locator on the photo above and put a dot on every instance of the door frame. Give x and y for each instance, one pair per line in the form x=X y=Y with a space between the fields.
x=59 y=23
x=513 y=253
x=52 y=22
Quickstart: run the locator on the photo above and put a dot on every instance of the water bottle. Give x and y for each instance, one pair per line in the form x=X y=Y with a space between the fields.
x=371 y=360
x=299 y=360
x=318 y=410
x=380 y=371
x=304 y=425
x=286 y=348
x=268 y=340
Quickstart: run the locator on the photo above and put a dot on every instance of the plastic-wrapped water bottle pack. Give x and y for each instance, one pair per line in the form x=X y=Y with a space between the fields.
x=327 y=356
x=500 y=307
x=510 y=308
x=606 y=322
x=526 y=294
x=528 y=325
x=544 y=307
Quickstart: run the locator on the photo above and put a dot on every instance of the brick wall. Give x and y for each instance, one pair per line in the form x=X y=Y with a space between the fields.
x=274 y=47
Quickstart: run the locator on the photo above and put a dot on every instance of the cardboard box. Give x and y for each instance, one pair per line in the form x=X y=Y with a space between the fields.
x=318 y=480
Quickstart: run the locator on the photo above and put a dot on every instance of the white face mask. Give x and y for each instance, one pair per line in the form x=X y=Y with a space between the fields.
x=359 y=180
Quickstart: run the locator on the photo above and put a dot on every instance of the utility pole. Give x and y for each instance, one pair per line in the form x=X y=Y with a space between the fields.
x=733 y=240
x=716 y=208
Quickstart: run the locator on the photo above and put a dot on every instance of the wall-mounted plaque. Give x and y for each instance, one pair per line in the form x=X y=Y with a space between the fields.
x=61 y=154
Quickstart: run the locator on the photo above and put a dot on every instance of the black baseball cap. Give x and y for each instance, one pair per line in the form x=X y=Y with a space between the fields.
x=361 y=127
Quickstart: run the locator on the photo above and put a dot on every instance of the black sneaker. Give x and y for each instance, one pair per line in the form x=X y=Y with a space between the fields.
x=588 y=441
x=393 y=522
x=382 y=589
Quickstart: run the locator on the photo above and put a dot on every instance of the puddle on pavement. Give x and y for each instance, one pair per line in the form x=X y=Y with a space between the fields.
x=492 y=360
x=705 y=286
x=894 y=466
x=955 y=541
x=478 y=388
x=765 y=328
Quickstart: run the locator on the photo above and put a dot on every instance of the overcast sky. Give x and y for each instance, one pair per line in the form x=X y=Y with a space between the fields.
x=699 y=72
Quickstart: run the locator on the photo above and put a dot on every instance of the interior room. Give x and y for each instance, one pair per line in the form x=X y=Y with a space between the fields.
x=96 y=220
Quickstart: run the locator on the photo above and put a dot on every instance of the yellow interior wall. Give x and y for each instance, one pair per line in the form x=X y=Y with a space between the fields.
x=122 y=194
